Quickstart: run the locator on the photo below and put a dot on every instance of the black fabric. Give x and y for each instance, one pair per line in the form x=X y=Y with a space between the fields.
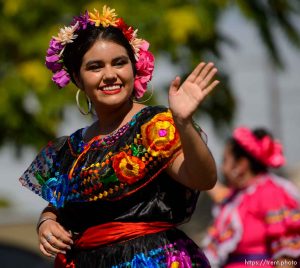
x=162 y=200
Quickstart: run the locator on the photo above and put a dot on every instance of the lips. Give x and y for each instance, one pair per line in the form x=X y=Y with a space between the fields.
x=111 y=89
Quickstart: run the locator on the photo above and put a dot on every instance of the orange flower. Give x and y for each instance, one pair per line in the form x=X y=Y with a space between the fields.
x=160 y=137
x=107 y=18
x=128 y=168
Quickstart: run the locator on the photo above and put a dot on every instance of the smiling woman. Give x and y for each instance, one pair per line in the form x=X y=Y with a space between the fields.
x=118 y=189
x=106 y=74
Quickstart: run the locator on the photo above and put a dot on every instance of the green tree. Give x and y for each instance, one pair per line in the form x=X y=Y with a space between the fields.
x=31 y=107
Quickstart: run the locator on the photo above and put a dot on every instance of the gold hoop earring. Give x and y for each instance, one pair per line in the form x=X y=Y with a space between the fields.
x=143 y=101
x=88 y=101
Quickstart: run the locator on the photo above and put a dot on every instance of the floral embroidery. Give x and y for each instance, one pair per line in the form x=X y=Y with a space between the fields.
x=109 y=168
x=160 y=137
x=128 y=168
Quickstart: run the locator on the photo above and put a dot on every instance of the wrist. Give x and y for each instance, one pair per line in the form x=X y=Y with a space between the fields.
x=183 y=126
x=42 y=220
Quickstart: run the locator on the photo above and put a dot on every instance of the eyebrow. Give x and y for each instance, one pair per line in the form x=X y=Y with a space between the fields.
x=123 y=57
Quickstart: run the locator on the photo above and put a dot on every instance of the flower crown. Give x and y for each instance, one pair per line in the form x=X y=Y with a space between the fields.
x=144 y=59
x=265 y=150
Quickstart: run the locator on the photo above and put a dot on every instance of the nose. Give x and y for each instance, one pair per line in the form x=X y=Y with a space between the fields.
x=109 y=74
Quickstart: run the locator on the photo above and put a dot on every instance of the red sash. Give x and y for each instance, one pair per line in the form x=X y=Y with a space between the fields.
x=110 y=233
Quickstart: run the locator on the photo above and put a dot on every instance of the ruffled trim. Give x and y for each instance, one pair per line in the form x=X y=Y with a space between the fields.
x=283 y=224
x=39 y=178
x=223 y=238
x=217 y=246
x=227 y=232
x=282 y=221
x=286 y=247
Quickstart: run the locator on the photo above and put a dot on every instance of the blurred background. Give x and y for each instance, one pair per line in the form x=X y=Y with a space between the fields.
x=255 y=45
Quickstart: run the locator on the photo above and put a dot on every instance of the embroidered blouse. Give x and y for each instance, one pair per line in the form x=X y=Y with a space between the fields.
x=120 y=177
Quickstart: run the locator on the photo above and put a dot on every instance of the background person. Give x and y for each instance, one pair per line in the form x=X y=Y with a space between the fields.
x=257 y=220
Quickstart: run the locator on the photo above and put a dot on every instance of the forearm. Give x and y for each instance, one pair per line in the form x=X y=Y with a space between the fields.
x=198 y=164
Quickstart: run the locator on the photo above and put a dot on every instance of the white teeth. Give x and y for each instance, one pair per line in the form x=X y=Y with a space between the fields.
x=110 y=88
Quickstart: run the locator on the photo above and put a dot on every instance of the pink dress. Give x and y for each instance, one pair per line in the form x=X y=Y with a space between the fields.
x=256 y=226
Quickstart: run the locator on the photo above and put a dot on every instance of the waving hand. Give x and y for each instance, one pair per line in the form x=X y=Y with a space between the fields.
x=185 y=98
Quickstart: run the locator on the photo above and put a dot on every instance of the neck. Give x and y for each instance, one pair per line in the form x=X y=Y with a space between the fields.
x=109 y=119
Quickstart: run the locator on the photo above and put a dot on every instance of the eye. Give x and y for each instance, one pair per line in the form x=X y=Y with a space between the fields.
x=120 y=62
x=93 y=67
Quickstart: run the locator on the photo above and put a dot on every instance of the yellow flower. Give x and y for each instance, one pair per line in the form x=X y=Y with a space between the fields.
x=107 y=18
x=160 y=137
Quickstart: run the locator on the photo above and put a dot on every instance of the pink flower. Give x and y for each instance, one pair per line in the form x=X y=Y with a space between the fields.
x=52 y=57
x=144 y=67
x=144 y=45
x=61 y=78
x=52 y=63
x=55 y=46
x=272 y=152
x=265 y=150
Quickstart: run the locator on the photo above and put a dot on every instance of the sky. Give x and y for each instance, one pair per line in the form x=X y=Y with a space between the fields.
x=252 y=81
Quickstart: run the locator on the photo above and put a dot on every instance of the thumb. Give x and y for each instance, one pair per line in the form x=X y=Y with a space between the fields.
x=175 y=84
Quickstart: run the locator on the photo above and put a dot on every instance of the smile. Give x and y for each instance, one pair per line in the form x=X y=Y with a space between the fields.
x=111 y=89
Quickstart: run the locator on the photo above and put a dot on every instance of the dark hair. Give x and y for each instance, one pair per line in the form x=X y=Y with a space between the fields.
x=238 y=151
x=74 y=52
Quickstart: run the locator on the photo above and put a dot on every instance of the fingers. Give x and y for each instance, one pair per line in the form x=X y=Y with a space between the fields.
x=51 y=245
x=64 y=235
x=203 y=74
x=207 y=79
x=208 y=89
x=195 y=73
x=206 y=74
x=175 y=85
x=44 y=251
x=54 y=239
x=59 y=242
x=47 y=249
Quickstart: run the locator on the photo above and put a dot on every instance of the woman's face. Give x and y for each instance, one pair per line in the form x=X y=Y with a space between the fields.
x=229 y=167
x=106 y=74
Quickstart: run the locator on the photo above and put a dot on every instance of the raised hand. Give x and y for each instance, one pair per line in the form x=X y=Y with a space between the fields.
x=184 y=99
x=53 y=238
